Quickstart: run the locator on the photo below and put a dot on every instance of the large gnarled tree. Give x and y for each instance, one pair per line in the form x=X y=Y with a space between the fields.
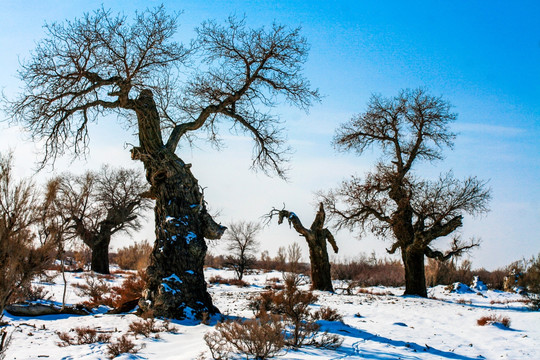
x=102 y=64
x=316 y=237
x=392 y=202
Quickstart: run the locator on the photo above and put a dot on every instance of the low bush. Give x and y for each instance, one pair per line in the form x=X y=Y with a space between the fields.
x=96 y=288
x=494 y=319
x=328 y=314
x=122 y=345
x=293 y=305
x=150 y=326
x=134 y=257
x=260 y=338
x=83 y=335
x=131 y=289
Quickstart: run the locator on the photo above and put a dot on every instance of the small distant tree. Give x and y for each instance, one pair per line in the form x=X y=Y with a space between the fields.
x=20 y=258
x=391 y=201
x=316 y=236
x=101 y=204
x=242 y=244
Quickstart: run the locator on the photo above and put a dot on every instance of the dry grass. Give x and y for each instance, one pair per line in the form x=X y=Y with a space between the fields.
x=219 y=280
x=494 y=319
x=373 y=292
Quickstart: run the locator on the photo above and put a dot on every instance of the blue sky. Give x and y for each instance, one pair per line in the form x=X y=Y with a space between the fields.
x=483 y=57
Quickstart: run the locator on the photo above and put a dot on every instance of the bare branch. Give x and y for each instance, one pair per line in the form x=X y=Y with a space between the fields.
x=458 y=249
x=85 y=69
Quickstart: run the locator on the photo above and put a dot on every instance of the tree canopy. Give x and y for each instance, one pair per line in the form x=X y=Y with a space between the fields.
x=393 y=201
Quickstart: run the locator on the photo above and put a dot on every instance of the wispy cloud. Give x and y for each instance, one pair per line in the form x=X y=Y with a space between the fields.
x=494 y=130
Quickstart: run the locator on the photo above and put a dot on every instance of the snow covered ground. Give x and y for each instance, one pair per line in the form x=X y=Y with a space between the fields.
x=378 y=324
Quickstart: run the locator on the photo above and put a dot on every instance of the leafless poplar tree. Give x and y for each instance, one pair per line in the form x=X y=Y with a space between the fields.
x=98 y=205
x=242 y=244
x=102 y=63
x=316 y=236
x=392 y=201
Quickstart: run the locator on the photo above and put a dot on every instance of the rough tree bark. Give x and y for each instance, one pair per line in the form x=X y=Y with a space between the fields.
x=176 y=286
x=316 y=236
x=100 y=255
x=98 y=242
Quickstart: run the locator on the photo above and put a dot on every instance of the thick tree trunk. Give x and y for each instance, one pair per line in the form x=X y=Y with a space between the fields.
x=100 y=256
x=316 y=237
x=415 y=278
x=176 y=287
x=320 y=265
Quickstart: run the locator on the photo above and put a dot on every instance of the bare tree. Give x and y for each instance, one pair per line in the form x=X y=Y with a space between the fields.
x=98 y=205
x=242 y=244
x=20 y=258
x=100 y=64
x=392 y=202
x=316 y=236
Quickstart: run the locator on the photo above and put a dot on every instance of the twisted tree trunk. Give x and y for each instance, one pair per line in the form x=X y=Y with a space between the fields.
x=316 y=237
x=176 y=287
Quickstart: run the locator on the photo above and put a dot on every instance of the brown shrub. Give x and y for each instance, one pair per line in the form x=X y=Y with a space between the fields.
x=494 y=319
x=134 y=257
x=293 y=305
x=96 y=288
x=122 y=345
x=328 y=314
x=82 y=257
x=275 y=284
x=150 y=326
x=83 y=335
x=131 y=289
x=261 y=338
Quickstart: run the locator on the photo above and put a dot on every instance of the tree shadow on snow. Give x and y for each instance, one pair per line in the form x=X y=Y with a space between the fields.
x=499 y=307
x=415 y=349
